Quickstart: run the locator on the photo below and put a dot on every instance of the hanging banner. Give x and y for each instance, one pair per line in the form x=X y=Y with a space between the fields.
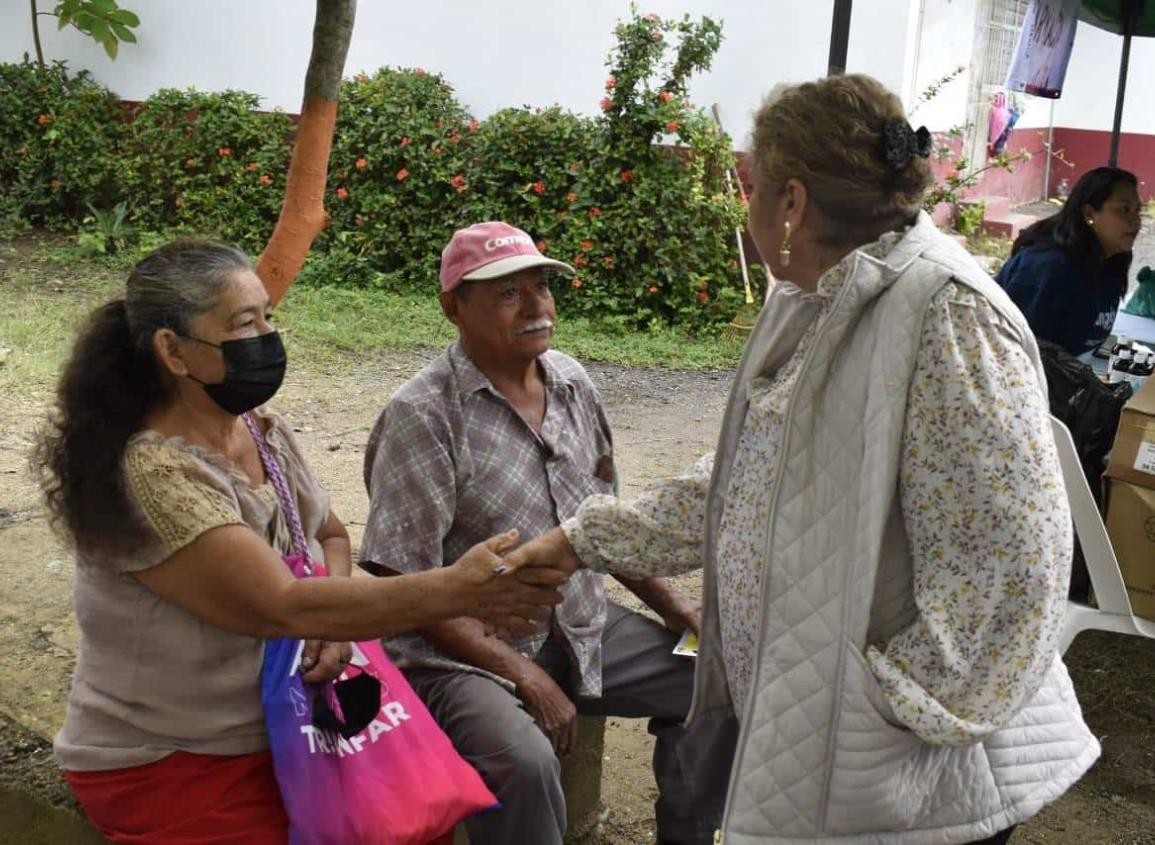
x=1043 y=50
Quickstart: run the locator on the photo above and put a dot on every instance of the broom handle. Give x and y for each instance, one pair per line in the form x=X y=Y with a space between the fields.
x=742 y=193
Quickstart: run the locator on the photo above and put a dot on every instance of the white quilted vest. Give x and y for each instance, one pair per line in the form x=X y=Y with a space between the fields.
x=817 y=762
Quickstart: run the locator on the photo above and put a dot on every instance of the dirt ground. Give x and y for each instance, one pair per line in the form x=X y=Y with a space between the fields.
x=662 y=421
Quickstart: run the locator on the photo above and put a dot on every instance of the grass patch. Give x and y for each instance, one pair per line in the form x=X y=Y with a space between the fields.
x=324 y=324
x=46 y=290
x=41 y=307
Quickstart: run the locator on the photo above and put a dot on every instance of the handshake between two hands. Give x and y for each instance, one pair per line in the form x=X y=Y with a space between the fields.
x=509 y=587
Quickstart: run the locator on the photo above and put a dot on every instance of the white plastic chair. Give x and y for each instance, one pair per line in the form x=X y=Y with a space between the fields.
x=1114 y=610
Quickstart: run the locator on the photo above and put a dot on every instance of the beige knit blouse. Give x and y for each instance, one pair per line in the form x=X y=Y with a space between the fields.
x=152 y=678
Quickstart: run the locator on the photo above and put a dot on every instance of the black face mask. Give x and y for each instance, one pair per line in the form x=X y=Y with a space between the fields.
x=254 y=370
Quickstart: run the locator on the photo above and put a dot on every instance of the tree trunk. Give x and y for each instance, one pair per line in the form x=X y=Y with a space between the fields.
x=303 y=213
x=36 y=34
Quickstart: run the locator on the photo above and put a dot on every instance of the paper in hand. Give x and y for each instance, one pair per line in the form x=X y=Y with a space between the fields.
x=688 y=645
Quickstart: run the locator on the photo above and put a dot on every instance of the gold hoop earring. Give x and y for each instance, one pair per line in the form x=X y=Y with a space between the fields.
x=784 y=250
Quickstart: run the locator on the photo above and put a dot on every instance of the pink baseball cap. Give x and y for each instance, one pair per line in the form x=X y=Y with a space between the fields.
x=488 y=251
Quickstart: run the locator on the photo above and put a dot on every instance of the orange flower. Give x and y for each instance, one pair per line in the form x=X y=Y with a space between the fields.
x=653 y=288
x=586 y=246
x=454 y=138
x=474 y=126
x=190 y=162
x=672 y=126
x=653 y=17
x=55 y=183
x=607 y=103
x=595 y=212
x=402 y=175
x=44 y=119
x=437 y=151
x=405 y=141
x=541 y=246
x=703 y=297
x=458 y=182
x=419 y=71
x=611 y=84
x=580 y=260
x=250 y=167
x=654 y=34
x=577 y=283
x=627 y=175
x=265 y=179
x=224 y=152
x=666 y=96
x=342 y=193
x=361 y=164
x=608 y=262
x=539 y=188
x=571 y=197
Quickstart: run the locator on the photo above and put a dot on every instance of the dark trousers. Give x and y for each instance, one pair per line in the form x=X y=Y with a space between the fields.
x=640 y=678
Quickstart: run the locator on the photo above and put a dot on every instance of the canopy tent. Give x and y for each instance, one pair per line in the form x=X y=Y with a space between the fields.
x=1127 y=18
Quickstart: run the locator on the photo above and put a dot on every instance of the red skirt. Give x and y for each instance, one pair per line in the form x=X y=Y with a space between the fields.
x=189 y=799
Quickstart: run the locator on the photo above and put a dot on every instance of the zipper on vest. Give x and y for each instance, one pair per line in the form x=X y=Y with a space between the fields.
x=748 y=710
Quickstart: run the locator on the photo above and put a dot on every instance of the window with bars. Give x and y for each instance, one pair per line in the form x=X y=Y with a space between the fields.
x=996 y=31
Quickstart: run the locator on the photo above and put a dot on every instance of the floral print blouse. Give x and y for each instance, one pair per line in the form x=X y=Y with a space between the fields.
x=979 y=485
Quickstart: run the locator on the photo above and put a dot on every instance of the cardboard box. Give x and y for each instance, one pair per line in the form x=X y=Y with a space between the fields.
x=1130 y=499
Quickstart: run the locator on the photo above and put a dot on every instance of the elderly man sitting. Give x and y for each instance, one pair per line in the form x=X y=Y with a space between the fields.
x=501 y=432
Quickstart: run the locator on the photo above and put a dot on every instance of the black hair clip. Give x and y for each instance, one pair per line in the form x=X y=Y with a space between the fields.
x=904 y=143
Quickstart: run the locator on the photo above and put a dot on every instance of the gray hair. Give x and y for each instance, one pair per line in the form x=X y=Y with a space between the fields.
x=178 y=281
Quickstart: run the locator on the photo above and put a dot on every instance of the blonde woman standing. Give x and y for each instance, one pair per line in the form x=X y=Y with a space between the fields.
x=884 y=527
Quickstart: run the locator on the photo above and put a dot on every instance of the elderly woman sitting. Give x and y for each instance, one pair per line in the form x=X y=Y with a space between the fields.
x=884 y=527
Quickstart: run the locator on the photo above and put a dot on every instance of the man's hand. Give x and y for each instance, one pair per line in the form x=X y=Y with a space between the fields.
x=678 y=612
x=323 y=661
x=550 y=707
x=682 y=613
x=548 y=551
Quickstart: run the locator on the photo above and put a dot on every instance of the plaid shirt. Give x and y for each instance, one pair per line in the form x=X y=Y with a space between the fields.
x=450 y=463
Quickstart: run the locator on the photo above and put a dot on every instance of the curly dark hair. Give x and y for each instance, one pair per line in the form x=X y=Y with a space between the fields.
x=111 y=383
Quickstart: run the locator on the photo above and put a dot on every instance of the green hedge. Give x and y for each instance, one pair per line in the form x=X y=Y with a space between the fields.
x=633 y=198
x=60 y=137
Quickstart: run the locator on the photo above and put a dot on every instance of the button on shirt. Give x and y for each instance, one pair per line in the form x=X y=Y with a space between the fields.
x=450 y=463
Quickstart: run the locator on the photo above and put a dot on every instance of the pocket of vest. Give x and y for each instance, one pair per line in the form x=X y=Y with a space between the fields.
x=882 y=776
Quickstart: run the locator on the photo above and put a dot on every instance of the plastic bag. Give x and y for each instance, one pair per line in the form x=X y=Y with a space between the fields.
x=1089 y=408
x=382 y=774
x=1142 y=301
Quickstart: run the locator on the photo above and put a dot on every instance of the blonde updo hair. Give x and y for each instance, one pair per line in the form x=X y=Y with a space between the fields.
x=829 y=135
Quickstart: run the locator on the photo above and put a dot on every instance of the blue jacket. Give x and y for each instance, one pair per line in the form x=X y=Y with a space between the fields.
x=1061 y=299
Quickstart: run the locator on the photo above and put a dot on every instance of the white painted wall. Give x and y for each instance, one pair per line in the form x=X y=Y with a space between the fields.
x=945 y=32
x=1088 y=100
x=538 y=52
x=496 y=53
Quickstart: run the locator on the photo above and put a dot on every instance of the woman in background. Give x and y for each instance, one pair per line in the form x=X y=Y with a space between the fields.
x=1068 y=273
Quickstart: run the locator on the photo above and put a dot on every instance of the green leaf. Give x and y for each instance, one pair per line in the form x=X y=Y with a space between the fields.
x=111 y=46
x=122 y=33
x=63 y=19
x=125 y=17
x=99 y=31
